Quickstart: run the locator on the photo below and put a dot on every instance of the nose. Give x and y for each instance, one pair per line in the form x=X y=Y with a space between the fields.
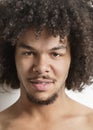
x=41 y=65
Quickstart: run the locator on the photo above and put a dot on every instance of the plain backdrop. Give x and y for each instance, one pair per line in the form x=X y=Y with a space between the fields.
x=11 y=96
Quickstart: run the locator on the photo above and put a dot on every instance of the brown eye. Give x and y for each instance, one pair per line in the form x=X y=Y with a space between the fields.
x=54 y=54
x=28 y=53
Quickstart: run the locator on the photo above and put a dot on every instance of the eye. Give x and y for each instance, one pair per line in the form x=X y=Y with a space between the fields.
x=28 y=53
x=55 y=54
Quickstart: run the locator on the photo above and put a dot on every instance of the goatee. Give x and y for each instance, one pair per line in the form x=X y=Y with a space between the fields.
x=48 y=101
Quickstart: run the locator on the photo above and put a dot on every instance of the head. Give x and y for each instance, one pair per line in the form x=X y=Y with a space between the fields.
x=42 y=65
x=59 y=21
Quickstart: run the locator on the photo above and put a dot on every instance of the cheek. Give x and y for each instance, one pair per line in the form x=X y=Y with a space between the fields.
x=62 y=68
x=23 y=67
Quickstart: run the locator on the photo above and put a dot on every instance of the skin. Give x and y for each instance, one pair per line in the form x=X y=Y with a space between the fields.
x=31 y=63
x=42 y=67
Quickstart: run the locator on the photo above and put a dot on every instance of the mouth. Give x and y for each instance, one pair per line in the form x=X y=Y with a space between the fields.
x=41 y=85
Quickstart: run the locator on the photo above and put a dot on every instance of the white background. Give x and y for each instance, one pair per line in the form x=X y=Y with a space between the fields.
x=85 y=97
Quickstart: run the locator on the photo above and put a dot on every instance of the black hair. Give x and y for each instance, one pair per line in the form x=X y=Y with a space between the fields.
x=61 y=17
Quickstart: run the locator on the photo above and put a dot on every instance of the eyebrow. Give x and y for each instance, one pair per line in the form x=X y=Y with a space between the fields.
x=25 y=46
x=59 y=47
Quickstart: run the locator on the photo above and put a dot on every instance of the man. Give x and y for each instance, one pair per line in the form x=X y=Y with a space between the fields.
x=45 y=47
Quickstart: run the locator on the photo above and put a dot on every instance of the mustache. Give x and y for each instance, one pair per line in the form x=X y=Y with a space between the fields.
x=42 y=77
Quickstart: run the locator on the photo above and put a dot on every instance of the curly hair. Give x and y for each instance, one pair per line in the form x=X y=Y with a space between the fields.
x=61 y=17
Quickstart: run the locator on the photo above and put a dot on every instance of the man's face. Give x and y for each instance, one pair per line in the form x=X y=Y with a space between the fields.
x=42 y=66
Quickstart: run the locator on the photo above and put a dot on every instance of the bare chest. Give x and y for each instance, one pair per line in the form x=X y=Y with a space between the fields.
x=65 y=125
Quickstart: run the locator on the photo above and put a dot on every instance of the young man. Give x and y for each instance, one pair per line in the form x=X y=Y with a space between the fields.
x=45 y=47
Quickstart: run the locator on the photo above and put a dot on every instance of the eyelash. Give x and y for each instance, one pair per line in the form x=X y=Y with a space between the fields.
x=55 y=54
x=52 y=54
x=28 y=53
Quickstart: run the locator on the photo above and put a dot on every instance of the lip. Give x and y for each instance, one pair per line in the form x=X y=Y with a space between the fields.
x=42 y=85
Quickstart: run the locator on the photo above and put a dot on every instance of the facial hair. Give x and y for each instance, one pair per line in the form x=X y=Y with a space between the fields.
x=36 y=101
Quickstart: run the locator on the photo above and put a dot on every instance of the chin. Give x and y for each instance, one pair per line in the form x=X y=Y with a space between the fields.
x=43 y=100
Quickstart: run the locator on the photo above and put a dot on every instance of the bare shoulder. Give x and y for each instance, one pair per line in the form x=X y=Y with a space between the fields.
x=7 y=114
x=84 y=110
x=5 y=118
x=4 y=115
x=90 y=116
x=87 y=113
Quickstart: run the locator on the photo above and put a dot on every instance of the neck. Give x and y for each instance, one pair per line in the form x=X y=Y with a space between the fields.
x=58 y=107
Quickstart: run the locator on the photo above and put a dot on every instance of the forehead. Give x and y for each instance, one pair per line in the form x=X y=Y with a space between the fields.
x=44 y=39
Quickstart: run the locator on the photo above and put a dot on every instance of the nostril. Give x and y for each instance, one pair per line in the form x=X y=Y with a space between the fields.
x=40 y=69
